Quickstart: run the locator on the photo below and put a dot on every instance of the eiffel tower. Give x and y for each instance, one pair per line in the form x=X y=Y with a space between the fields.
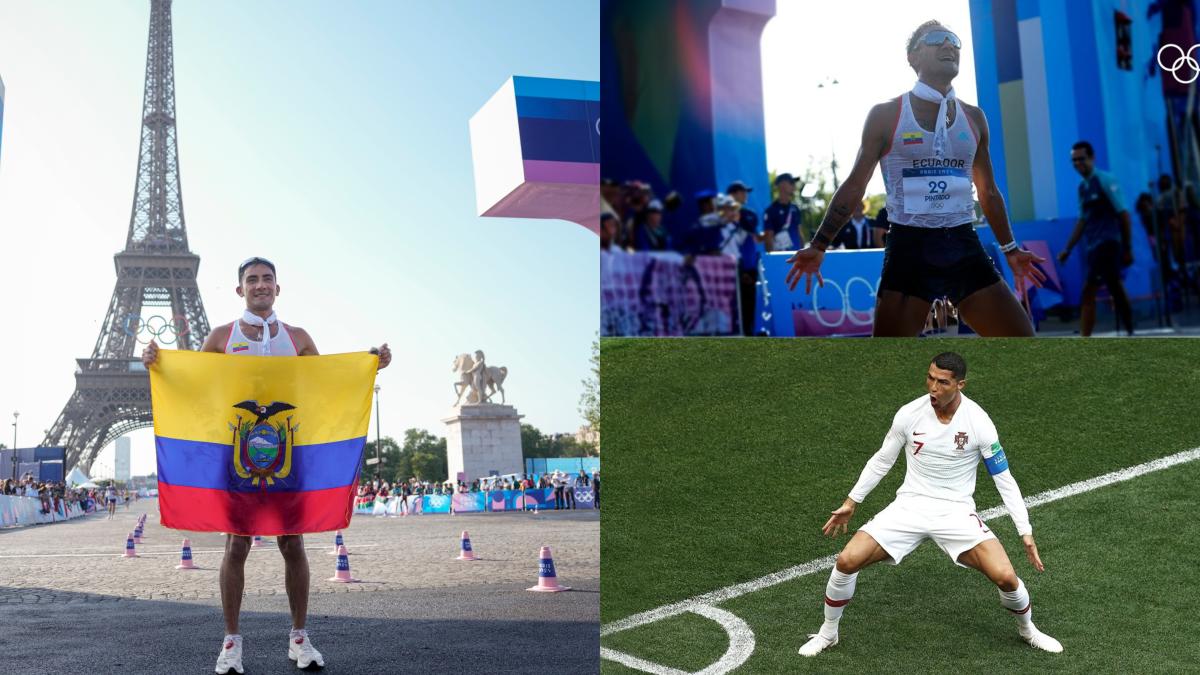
x=156 y=269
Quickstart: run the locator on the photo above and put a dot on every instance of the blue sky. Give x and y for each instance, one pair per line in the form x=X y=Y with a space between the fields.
x=329 y=137
x=804 y=123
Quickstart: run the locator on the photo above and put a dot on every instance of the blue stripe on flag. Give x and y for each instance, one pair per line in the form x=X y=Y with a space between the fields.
x=210 y=465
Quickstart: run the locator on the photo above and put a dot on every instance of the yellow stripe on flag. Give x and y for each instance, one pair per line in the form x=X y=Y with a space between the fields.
x=193 y=393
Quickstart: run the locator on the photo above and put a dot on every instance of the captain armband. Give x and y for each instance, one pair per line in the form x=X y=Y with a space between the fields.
x=997 y=463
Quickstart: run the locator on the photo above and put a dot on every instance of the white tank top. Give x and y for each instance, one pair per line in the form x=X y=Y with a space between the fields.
x=923 y=190
x=281 y=344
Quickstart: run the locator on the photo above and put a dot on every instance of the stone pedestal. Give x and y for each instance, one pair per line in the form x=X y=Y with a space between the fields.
x=481 y=438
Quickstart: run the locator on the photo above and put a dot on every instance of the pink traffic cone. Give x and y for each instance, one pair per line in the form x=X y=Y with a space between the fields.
x=547 y=580
x=130 y=551
x=337 y=543
x=466 y=552
x=185 y=561
x=137 y=536
x=343 y=568
x=258 y=542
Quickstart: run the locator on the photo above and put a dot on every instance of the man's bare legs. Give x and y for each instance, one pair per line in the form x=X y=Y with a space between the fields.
x=993 y=311
x=233 y=579
x=860 y=552
x=989 y=557
x=898 y=315
x=296 y=576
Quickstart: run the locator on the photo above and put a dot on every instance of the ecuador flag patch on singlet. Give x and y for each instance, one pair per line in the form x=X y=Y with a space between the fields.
x=239 y=347
x=913 y=137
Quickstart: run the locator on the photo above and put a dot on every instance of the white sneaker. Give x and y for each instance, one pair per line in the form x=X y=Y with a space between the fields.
x=302 y=651
x=817 y=644
x=1040 y=640
x=230 y=657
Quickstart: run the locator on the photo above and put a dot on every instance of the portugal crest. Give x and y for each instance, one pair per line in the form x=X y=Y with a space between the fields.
x=960 y=440
x=262 y=449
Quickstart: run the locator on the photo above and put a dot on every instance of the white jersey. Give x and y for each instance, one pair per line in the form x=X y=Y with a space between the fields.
x=942 y=458
x=924 y=190
x=280 y=344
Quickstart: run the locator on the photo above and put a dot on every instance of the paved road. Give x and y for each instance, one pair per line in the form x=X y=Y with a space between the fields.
x=67 y=598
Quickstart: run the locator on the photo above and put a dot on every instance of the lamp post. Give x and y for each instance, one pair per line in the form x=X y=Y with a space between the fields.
x=377 y=432
x=15 y=416
x=827 y=84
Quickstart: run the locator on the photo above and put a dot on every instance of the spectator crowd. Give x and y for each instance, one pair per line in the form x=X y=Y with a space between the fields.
x=632 y=219
x=54 y=496
x=563 y=484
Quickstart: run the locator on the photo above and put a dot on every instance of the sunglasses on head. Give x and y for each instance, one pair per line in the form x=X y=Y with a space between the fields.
x=254 y=261
x=935 y=38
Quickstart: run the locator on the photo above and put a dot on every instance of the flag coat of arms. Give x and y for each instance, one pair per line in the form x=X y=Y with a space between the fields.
x=259 y=445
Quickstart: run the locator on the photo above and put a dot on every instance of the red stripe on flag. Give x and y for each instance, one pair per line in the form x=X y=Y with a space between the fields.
x=836 y=603
x=254 y=513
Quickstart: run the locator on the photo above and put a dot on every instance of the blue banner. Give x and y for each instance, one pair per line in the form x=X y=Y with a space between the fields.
x=435 y=504
x=844 y=306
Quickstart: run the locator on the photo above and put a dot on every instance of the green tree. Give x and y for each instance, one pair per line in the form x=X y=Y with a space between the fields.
x=589 y=401
x=390 y=452
x=536 y=445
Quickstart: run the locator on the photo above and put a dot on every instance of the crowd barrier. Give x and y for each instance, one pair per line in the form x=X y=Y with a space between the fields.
x=471 y=502
x=660 y=294
x=845 y=305
x=28 y=511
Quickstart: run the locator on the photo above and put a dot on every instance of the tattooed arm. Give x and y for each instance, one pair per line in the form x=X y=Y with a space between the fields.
x=876 y=141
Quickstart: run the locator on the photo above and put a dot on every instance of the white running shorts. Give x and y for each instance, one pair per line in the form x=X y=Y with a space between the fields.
x=905 y=523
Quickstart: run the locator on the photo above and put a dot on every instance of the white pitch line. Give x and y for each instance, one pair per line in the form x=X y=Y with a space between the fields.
x=700 y=604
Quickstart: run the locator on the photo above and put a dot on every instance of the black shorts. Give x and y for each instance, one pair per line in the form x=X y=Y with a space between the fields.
x=932 y=263
x=1104 y=263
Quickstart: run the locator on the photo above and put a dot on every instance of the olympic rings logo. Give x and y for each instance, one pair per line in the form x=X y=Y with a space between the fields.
x=156 y=328
x=866 y=319
x=1184 y=59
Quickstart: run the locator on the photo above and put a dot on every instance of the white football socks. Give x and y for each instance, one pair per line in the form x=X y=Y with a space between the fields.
x=1018 y=603
x=838 y=592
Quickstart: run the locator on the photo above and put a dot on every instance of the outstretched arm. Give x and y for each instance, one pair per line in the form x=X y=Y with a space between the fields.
x=875 y=139
x=1006 y=485
x=877 y=467
x=991 y=201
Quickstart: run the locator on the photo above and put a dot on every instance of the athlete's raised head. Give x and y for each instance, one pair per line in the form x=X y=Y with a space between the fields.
x=933 y=51
x=257 y=284
x=946 y=378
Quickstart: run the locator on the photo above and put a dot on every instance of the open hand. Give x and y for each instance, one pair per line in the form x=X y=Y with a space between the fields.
x=839 y=520
x=1032 y=552
x=806 y=263
x=1023 y=264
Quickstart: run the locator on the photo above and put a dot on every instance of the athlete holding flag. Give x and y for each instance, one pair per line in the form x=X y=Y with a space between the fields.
x=932 y=148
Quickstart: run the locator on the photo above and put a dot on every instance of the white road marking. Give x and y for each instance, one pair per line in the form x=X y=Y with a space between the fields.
x=701 y=604
x=120 y=552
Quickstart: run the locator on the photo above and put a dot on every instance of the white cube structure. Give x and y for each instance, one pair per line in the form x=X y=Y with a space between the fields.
x=536 y=150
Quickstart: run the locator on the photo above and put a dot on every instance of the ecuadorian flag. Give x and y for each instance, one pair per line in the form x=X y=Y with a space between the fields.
x=259 y=444
x=912 y=138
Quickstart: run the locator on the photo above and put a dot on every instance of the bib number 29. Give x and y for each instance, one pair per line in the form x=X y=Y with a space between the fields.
x=937 y=187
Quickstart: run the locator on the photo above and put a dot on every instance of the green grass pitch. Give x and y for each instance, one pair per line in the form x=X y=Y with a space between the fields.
x=724 y=458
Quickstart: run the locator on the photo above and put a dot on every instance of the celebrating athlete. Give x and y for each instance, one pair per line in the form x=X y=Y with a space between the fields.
x=932 y=148
x=943 y=436
x=259 y=333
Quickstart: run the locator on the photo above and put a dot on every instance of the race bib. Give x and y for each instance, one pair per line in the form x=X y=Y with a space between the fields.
x=940 y=190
